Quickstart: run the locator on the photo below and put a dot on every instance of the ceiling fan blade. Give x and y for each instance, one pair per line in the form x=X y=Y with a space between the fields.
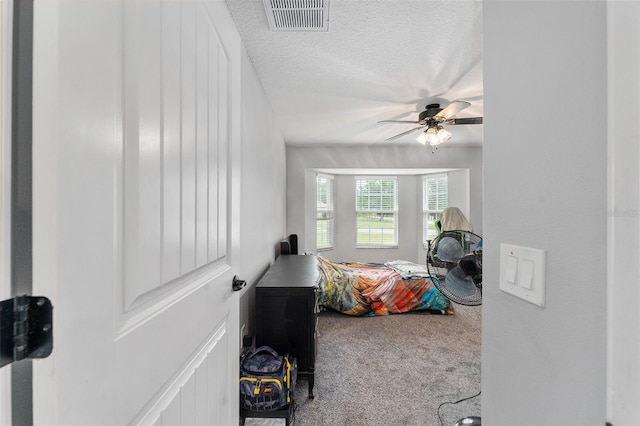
x=404 y=133
x=453 y=108
x=468 y=120
x=398 y=121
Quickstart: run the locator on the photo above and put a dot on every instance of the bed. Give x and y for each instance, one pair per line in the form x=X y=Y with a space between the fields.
x=370 y=289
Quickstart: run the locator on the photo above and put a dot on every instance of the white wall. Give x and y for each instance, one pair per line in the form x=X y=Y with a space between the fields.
x=624 y=213
x=302 y=161
x=459 y=195
x=263 y=191
x=545 y=162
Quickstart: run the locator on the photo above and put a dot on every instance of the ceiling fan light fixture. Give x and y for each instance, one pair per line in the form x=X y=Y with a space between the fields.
x=434 y=136
x=429 y=136
x=443 y=135
x=422 y=137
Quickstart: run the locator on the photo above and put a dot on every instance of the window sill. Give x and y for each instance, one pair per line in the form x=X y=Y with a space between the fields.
x=377 y=246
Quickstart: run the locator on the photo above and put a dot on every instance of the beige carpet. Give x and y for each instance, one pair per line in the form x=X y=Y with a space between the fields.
x=394 y=370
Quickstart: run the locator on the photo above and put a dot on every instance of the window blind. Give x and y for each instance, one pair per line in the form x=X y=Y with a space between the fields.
x=325 y=211
x=376 y=210
x=435 y=198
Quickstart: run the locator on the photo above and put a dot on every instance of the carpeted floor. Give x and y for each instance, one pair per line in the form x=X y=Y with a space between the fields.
x=393 y=370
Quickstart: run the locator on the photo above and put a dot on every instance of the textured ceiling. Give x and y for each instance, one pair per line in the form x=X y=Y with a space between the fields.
x=380 y=60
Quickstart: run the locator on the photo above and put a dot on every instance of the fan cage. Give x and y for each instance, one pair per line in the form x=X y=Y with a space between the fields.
x=439 y=268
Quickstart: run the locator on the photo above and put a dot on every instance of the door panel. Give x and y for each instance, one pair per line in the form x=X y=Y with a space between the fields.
x=190 y=398
x=133 y=124
x=154 y=169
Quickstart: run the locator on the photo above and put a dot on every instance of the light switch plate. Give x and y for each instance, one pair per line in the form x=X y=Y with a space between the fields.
x=530 y=273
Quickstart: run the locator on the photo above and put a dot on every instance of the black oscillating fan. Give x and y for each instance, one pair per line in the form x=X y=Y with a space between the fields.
x=454 y=262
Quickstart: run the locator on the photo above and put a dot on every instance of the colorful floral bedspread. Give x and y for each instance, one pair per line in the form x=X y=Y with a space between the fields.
x=368 y=289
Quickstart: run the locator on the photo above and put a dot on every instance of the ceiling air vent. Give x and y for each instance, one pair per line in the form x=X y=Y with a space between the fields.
x=297 y=15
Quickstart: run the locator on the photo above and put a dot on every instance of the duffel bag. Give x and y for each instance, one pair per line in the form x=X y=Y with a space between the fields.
x=267 y=380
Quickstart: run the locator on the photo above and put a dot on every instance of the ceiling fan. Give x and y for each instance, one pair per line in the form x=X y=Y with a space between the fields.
x=434 y=118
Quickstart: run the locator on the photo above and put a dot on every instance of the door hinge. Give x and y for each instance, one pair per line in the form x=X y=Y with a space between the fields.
x=26 y=328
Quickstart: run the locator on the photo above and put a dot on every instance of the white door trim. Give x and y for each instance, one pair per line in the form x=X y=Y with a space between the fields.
x=6 y=37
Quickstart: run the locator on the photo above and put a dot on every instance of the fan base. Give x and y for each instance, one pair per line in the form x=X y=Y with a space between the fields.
x=469 y=421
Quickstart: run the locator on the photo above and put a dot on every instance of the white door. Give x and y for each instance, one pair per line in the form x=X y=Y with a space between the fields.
x=135 y=143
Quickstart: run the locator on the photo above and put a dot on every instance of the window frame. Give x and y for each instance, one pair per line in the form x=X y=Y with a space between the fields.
x=379 y=211
x=427 y=209
x=329 y=212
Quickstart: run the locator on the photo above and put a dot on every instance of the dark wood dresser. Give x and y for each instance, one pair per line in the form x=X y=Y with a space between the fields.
x=287 y=311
